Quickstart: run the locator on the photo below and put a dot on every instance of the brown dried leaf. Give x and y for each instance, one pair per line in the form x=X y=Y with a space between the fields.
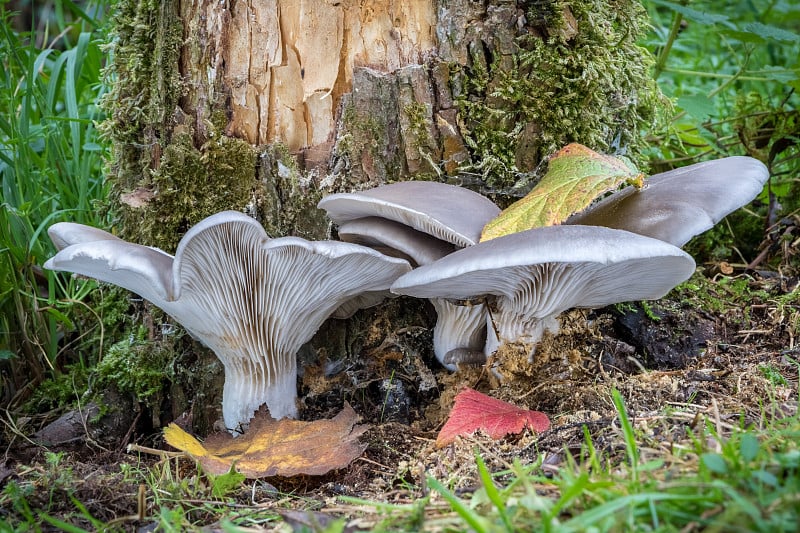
x=277 y=447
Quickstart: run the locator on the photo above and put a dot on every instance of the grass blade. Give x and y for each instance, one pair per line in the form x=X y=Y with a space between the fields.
x=492 y=493
x=627 y=433
x=475 y=521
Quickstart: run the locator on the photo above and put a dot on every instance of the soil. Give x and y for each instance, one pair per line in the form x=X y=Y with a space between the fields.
x=719 y=349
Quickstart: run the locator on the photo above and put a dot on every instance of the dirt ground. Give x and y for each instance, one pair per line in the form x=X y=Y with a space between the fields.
x=720 y=347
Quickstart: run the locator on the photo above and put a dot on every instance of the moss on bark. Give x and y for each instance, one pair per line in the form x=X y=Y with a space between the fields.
x=573 y=73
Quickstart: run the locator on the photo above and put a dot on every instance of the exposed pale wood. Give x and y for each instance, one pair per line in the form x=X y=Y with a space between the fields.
x=288 y=62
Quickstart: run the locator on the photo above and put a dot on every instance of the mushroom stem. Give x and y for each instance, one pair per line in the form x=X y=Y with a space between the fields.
x=248 y=385
x=457 y=327
x=506 y=326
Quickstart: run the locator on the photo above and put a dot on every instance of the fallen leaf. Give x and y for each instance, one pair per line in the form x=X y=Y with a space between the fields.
x=575 y=177
x=473 y=411
x=277 y=447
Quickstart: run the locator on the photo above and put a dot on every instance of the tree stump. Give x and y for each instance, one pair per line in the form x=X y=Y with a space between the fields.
x=265 y=106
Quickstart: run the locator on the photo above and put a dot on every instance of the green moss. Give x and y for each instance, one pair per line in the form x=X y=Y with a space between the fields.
x=138 y=367
x=417 y=114
x=720 y=296
x=146 y=86
x=63 y=389
x=191 y=184
x=364 y=132
x=287 y=198
x=583 y=81
x=418 y=136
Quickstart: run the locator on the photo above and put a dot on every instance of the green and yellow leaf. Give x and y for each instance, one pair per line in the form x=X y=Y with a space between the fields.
x=576 y=176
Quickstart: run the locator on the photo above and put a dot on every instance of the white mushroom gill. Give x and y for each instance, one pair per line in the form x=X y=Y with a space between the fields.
x=531 y=303
x=251 y=299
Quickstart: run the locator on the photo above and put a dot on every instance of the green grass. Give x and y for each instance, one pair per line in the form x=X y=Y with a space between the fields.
x=745 y=480
x=732 y=68
x=51 y=163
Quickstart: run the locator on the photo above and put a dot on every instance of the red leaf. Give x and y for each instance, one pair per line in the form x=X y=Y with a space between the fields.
x=473 y=411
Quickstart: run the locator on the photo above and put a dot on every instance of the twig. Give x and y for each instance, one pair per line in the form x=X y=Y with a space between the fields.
x=164 y=454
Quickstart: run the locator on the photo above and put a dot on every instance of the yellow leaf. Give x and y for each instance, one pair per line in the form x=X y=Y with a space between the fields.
x=277 y=447
x=179 y=439
x=575 y=177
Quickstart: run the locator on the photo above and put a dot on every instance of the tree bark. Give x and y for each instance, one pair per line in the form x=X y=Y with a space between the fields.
x=264 y=106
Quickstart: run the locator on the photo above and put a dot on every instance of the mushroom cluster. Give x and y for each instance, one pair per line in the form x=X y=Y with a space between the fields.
x=255 y=300
x=624 y=248
x=423 y=222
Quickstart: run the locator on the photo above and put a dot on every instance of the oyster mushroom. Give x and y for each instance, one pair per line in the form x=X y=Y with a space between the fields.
x=449 y=213
x=530 y=277
x=253 y=300
x=73 y=233
x=675 y=206
x=460 y=330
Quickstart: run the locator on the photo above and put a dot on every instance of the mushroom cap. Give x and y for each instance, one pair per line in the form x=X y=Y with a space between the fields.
x=449 y=213
x=390 y=237
x=64 y=234
x=140 y=269
x=252 y=299
x=545 y=271
x=458 y=329
x=677 y=205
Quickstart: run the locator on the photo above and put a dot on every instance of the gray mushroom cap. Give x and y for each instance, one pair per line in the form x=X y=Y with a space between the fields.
x=141 y=269
x=252 y=299
x=392 y=237
x=449 y=213
x=677 y=205
x=534 y=275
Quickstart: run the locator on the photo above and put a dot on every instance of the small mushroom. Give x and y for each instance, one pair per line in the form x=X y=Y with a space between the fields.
x=422 y=221
x=395 y=239
x=530 y=277
x=253 y=300
x=460 y=330
x=675 y=206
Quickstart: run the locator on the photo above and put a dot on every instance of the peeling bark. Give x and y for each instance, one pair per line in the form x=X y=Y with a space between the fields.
x=288 y=63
